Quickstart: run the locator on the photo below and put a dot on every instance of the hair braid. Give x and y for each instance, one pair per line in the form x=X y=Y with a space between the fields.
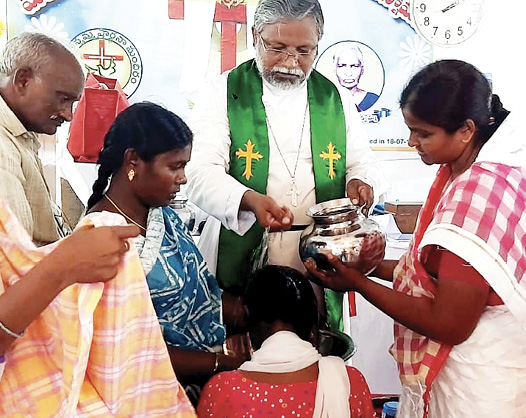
x=149 y=130
x=99 y=186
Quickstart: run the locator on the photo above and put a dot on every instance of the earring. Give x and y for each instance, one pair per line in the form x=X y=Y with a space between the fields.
x=131 y=174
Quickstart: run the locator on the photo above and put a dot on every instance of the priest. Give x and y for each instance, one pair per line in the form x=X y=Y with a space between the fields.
x=273 y=137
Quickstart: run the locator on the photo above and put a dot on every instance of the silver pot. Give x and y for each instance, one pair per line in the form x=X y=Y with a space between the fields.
x=340 y=228
x=187 y=214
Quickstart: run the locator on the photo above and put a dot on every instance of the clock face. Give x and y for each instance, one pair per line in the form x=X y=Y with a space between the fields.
x=447 y=22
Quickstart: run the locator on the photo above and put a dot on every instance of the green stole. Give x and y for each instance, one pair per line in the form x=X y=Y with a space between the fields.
x=249 y=164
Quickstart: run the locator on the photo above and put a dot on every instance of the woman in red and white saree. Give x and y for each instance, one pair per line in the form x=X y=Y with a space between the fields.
x=458 y=298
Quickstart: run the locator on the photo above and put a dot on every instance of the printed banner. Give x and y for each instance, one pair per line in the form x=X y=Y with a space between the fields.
x=372 y=55
x=163 y=51
x=110 y=54
x=30 y=7
x=398 y=8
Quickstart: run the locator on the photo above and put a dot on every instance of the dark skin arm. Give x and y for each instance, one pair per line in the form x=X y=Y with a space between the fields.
x=450 y=317
x=385 y=270
x=195 y=363
x=88 y=255
x=234 y=312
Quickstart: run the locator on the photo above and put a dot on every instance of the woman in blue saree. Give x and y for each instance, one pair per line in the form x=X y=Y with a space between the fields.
x=141 y=168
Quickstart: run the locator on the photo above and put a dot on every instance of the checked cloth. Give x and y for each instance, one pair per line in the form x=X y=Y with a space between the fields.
x=481 y=218
x=96 y=351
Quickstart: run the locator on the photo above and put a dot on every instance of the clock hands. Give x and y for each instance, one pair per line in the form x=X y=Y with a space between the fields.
x=456 y=3
x=447 y=22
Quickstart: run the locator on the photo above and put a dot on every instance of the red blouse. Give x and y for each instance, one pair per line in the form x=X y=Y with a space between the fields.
x=231 y=395
x=444 y=264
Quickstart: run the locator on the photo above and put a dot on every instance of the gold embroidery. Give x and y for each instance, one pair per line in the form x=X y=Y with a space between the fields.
x=332 y=156
x=249 y=155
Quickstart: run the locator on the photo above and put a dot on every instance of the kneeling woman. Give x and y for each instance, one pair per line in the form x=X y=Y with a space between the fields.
x=143 y=160
x=286 y=376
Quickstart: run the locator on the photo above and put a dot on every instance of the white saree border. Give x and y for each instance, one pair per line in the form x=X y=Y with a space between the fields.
x=485 y=260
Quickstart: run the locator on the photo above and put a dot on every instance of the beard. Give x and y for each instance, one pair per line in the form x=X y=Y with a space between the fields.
x=272 y=75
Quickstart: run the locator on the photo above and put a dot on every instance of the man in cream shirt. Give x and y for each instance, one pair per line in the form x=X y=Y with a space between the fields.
x=40 y=79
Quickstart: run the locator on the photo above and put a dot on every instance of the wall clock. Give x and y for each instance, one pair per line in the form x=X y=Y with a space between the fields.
x=446 y=22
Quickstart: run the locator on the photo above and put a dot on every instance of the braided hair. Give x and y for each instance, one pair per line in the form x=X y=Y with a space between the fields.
x=447 y=93
x=145 y=127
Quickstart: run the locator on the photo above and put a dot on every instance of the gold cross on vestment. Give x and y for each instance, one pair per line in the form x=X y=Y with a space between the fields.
x=249 y=155
x=332 y=156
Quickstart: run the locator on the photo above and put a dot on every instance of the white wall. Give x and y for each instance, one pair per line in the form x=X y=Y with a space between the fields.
x=496 y=48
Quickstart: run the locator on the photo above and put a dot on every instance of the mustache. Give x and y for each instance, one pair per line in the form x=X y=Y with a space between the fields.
x=292 y=71
x=272 y=74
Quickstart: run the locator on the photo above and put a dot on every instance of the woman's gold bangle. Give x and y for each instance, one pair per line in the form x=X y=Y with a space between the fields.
x=216 y=363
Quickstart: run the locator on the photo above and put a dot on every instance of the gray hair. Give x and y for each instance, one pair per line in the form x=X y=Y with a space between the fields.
x=344 y=47
x=30 y=49
x=269 y=12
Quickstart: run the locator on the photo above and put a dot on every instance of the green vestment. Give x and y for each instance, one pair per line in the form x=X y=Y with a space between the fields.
x=249 y=164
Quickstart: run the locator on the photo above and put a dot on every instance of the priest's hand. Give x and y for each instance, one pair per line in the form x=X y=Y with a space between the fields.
x=360 y=193
x=268 y=213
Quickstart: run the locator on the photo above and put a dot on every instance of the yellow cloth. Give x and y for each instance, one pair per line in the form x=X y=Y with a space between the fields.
x=96 y=351
x=22 y=182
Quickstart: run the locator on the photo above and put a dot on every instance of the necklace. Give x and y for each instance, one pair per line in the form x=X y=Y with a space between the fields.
x=123 y=214
x=294 y=192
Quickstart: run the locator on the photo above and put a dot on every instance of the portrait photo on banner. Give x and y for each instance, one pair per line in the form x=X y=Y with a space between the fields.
x=357 y=67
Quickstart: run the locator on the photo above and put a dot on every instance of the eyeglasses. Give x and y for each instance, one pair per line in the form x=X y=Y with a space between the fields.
x=283 y=53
